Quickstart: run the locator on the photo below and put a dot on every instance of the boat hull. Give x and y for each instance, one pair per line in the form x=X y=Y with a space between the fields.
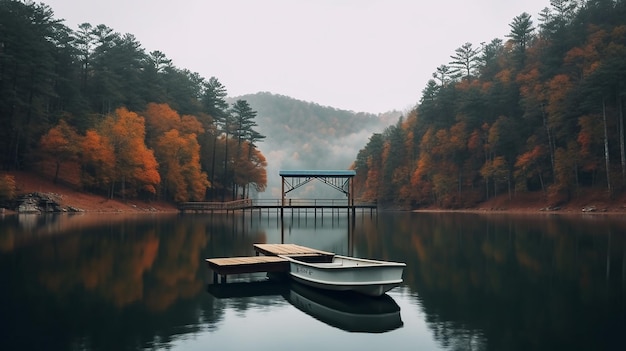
x=369 y=277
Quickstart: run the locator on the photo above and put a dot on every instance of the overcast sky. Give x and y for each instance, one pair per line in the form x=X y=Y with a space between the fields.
x=360 y=55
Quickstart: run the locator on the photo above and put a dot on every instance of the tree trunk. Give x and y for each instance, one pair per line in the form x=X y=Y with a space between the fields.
x=508 y=181
x=620 y=112
x=606 y=151
x=550 y=143
x=225 y=167
x=56 y=172
x=213 y=167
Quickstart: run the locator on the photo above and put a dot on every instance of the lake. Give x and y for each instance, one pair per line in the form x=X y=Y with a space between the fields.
x=472 y=282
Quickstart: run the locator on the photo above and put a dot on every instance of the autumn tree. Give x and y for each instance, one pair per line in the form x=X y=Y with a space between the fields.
x=59 y=145
x=179 y=155
x=251 y=169
x=98 y=162
x=136 y=168
x=174 y=140
x=7 y=187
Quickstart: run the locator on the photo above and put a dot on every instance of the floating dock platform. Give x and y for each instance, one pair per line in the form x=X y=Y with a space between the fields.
x=266 y=260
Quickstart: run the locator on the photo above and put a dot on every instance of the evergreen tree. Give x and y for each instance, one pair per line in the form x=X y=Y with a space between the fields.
x=465 y=61
x=521 y=35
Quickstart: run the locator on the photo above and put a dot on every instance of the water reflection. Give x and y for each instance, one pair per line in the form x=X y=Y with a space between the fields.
x=344 y=310
x=510 y=282
x=347 y=311
x=488 y=282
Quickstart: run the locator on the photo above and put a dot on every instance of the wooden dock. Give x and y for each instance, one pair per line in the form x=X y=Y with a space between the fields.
x=267 y=262
x=295 y=205
x=288 y=250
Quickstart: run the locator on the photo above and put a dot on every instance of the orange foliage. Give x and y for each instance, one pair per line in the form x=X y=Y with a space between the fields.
x=161 y=118
x=589 y=139
x=174 y=140
x=458 y=136
x=528 y=159
x=475 y=141
x=190 y=125
x=559 y=87
x=504 y=76
x=372 y=181
x=180 y=162
x=531 y=85
x=135 y=167
x=60 y=145
x=7 y=187
x=98 y=158
x=250 y=165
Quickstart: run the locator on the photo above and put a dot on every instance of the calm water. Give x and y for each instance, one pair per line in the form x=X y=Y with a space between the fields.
x=472 y=282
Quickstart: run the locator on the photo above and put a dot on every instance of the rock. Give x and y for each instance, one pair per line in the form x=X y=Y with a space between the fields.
x=589 y=209
x=74 y=209
x=41 y=203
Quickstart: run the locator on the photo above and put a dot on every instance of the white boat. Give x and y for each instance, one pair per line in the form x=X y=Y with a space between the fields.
x=342 y=273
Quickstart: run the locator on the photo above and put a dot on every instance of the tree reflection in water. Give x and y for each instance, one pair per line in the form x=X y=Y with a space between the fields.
x=493 y=282
x=507 y=282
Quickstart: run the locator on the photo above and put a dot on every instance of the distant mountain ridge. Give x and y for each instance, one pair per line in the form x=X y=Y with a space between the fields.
x=306 y=135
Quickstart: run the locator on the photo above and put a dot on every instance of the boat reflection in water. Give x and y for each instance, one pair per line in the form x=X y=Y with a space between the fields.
x=347 y=310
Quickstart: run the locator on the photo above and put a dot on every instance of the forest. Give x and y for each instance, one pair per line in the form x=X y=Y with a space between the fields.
x=90 y=108
x=542 y=111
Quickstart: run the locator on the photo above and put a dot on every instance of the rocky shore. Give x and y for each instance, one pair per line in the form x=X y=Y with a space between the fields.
x=38 y=202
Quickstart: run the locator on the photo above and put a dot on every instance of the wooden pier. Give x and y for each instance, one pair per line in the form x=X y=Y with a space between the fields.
x=288 y=250
x=341 y=180
x=266 y=260
x=265 y=205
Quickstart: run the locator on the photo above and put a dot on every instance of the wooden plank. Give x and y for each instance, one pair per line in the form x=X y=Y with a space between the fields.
x=239 y=265
x=288 y=250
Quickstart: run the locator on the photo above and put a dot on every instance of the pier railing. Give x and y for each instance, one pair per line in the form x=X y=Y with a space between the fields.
x=271 y=203
x=215 y=206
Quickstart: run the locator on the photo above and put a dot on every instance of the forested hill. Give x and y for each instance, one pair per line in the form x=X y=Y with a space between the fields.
x=541 y=110
x=305 y=135
x=290 y=120
x=90 y=107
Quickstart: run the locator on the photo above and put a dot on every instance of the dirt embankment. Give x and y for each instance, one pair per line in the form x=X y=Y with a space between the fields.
x=66 y=196
x=536 y=202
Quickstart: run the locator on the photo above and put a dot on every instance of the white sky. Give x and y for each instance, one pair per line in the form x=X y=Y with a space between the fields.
x=360 y=55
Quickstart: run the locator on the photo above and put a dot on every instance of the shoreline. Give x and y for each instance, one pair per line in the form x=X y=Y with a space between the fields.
x=590 y=203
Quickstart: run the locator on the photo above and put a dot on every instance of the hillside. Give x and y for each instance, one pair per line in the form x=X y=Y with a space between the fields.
x=305 y=135
x=28 y=182
x=542 y=112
